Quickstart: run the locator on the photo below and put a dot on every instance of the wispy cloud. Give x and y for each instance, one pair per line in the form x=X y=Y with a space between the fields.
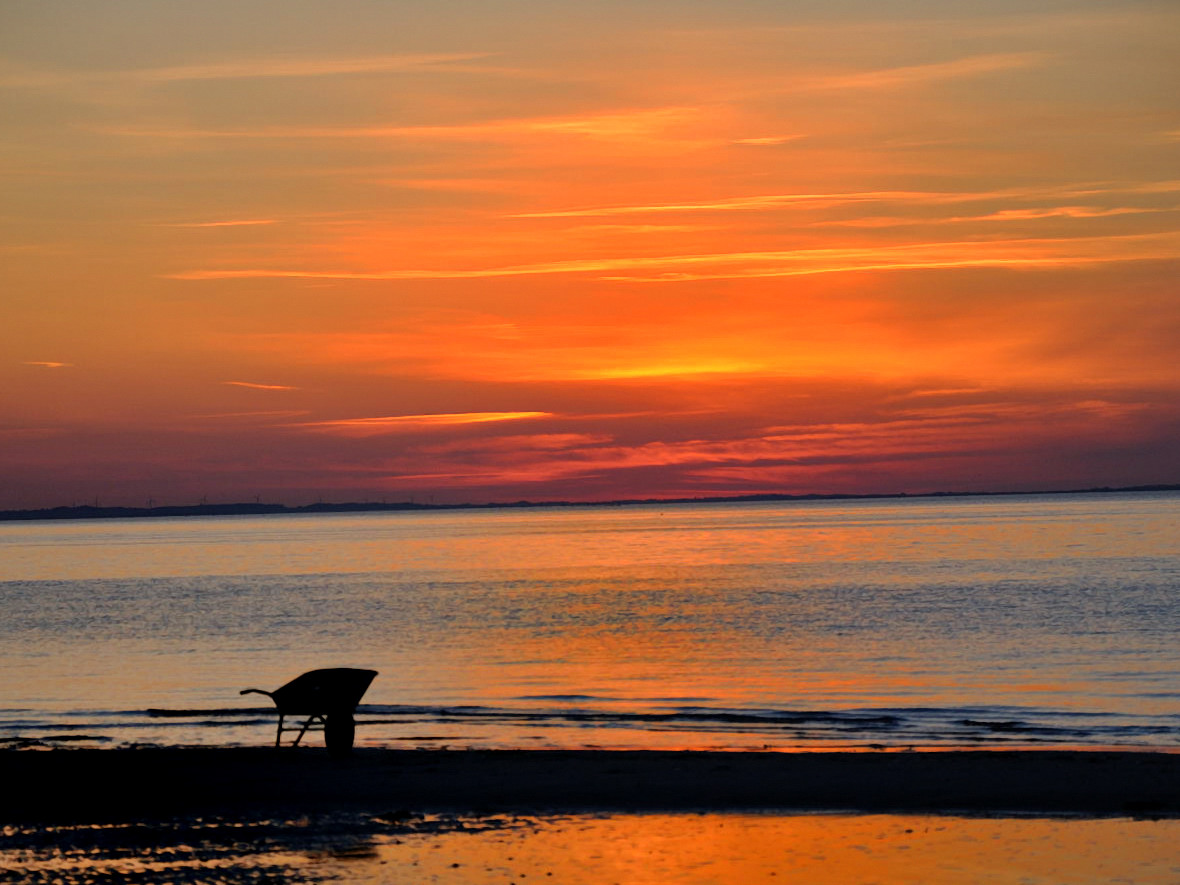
x=304 y=67
x=755 y=202
x=598 y=457
x=639 y=228
x=244 y=222
x=768 y=140
x=518 y=444
x=252 y=386
x=940 y=392
x=237 y=69
x=47 y=364
x=271 y=414
x=1033 y=252
x=675 y=368
x=909 y=75
x=1003 y=215
x=394 y=423
x=758 y=202
x=640 y=124
x=460 y=184
x=780 y=453
x=1059 y=212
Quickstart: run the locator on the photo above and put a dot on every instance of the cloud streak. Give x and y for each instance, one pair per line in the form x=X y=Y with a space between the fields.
x=395 y=423
x=938 y=72
x=640 y=125
x=1002 y=215
x=245 y=222
x=1012 y=253
x=303 y=67
x=762 y=202
x=252 y=386
x=781 y=456
x=253 y=68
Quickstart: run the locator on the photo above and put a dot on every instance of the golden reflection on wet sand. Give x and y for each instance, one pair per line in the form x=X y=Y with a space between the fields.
x=582 y=849
x=736 y=849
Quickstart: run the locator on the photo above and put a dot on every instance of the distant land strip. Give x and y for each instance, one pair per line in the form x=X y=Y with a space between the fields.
x=88 y=511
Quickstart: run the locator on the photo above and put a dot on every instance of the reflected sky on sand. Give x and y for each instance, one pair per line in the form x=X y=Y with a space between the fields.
x=693 y=849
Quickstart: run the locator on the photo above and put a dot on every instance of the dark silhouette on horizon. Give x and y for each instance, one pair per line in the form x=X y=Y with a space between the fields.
x=328 y=698
x=87 y=511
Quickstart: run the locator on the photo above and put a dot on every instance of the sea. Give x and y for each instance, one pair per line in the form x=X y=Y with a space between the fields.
x=924 y=622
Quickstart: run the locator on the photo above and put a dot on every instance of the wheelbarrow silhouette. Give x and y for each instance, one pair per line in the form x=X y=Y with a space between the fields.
x=328 y=698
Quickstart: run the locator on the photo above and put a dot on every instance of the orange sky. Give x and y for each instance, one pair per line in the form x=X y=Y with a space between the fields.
x=491 y=251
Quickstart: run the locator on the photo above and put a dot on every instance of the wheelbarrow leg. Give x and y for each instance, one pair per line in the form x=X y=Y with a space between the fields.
x=311 y=720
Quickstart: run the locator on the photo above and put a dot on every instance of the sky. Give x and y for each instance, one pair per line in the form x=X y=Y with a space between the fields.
x=496 y=251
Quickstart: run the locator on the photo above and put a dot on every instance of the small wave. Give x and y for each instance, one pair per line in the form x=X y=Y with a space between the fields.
x=1021 y=728
x=586 y=714
x=605 y=699
x=236 y=712
x=56 y=739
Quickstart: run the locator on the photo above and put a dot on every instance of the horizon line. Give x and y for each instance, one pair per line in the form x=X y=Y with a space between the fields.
x=256 y=508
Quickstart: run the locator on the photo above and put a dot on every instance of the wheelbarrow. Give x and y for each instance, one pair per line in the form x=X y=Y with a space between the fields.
x=328 y=698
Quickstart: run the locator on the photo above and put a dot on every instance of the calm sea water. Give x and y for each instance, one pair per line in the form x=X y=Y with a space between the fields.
x=1040 y=620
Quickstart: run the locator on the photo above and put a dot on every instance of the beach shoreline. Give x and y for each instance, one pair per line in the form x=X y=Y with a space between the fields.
x=159 y=783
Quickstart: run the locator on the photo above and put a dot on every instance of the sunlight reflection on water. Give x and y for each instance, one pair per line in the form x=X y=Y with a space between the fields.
x=950 y=530
x=995 y=610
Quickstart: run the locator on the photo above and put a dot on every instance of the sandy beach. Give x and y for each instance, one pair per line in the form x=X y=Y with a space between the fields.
x=146 y=783
x=241 y=816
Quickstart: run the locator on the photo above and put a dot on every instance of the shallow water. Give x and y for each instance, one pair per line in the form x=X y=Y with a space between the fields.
x=924 y=622
x=692 y=849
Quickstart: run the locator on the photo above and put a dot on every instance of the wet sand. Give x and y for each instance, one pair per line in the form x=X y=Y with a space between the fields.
x=75 y=785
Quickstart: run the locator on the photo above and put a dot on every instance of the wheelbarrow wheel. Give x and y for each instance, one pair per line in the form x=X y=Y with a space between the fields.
x=339 y=733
